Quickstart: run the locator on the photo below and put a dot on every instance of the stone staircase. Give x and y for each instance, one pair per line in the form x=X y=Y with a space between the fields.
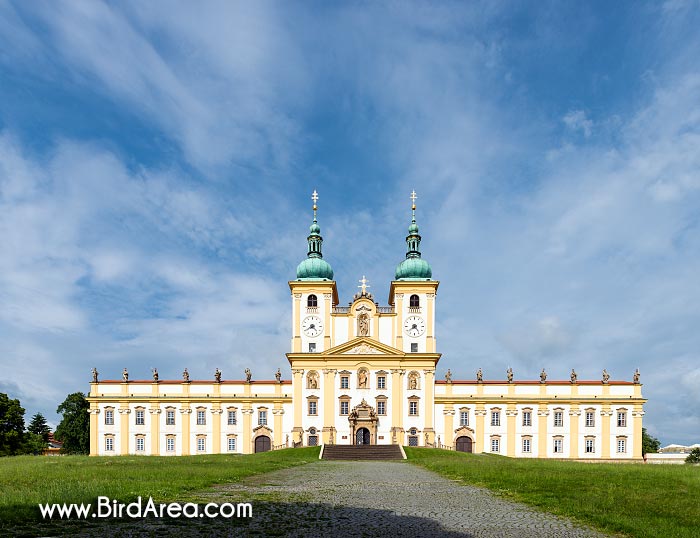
x=362 y=452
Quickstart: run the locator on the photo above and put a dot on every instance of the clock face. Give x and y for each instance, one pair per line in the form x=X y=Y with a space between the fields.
x=414 y=326
x=312 y=326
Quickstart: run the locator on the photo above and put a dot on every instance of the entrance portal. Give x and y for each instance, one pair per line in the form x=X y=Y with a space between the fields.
x=362 y=436
x=463 y=444
x=262 y=443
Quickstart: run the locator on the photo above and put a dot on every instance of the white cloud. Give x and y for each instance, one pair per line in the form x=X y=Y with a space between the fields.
x=576 y=120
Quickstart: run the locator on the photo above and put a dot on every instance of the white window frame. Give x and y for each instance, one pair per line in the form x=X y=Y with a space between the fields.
x=527 y=418
x=589 y=446
x=170 y=417
x=495 y=418
x=344 y=407
x=381 y=382
x=527 y=445
x=170 y=444
x=109 y=417
x=559 y=419
x=313 y=407
x=558 y=445
x=590 y=419
x=140 y=444
x=201 y=417
x=621 y=446
x=232 y=419
x=381 y=407
x=201 y=444
x=495 y=444
x=413 y=408
x=231 y=444
x=344 y=382
x=109 y=444
x=262 y=417
x=140 y=417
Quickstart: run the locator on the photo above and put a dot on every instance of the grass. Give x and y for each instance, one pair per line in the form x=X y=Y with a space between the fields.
x=26 y=481
x=644 y=501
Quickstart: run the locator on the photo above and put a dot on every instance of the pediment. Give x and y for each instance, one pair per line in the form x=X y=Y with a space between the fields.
x=363 y=346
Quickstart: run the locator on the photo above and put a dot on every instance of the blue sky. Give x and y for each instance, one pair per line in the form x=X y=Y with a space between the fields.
x=156 y=163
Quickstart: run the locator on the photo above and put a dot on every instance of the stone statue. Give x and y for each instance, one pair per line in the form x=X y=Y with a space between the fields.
x=185 y=376
x=413 y=381
x=278 y=376
x=509 y=373
x=95 y=373
x=155 y=375
x=426 y=438
x=543 y=376
x=448 y=376
x=362 y=379
x=248 y=375
x=479 y=376
x=606 y=376
x=125 y=375
x=363 y=325
x=574 y=376
x=217 y=375
x=286 y=440
x=635 y=378
x=312 y=381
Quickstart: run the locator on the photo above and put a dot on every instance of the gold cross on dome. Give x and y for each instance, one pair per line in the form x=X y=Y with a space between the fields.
x=364 y=285
x=414 y=196
x=314 y=196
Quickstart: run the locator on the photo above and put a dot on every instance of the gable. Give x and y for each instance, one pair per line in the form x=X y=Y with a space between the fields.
x=363 y=346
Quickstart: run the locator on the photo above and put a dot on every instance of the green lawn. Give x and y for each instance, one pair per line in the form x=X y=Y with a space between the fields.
x=638 y=500
x=26 y=481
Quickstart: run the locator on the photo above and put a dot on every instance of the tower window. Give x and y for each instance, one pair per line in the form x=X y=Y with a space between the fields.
x=312 y=300
x=312 y=347
x=414 y=347
x=414 y=301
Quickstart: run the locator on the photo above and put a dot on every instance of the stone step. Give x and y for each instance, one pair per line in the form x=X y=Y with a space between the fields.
x=362 y=452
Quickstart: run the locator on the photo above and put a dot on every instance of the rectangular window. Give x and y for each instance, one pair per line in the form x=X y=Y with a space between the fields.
x=201 y=444
x=526 y=445
x=558 y=419
x=381 y=382
x=527 y=418
x=170 y=444
x=231 y=444
x=140 y=417
x=344 y=408
x=344 y=382
x=413 y=408
x=381 y=407
x=312 y=347
x=231 y=418
x=621 y=419
x=495 y=445
x=139 y=444
x=558 y=446
x=414 y=347
x=590 y=446
x=590 y=419
x=312 y=408
x=621 y=446
x=495 y=418
x=170 y=417
x=201 y=417
x=464 y=418
x=109 y=444
x=109 y=417
x=262 y=418
x=412 y=440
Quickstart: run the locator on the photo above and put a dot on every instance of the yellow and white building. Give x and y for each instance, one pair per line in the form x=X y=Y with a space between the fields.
x=366 y=373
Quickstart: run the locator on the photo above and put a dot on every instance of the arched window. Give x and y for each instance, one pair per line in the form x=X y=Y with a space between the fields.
x=312 y=300
x=414 y=301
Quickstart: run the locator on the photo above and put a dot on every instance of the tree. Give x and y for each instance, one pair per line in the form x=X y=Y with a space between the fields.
x=11 y=426
x=694 y=456
x=74 y=429
x=650 y=444
x=39 y=426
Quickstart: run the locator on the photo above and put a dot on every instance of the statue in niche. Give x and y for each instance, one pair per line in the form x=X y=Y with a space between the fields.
x=125 y=375
x=635 y=377
x=185 y=376
x=509 y=373
x=278 y=376
x=217 y=375
x=248 y=375
x=448 y=376
x=95 y=373
x=363 y=324
x=362 y=379
x=479 y=376
x=606 y=376
x=574 y=376
x=413 y=380
x=155 y=375
x=543 y=376
x=312 y=380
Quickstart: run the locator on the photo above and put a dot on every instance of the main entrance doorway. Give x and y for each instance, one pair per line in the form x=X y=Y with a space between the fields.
x=262 y=443
x=463 y=444
x=362 y=436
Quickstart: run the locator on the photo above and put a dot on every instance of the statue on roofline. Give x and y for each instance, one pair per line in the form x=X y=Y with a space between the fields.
x=185 y=376
x=606 y=376
x=155 y=375
x=278 y=376
x=479 y=376
x=125 y=375
x=448 y=376
x=509 y=373
x=635 y=378
x=248 y=375
x=574 y=376
x=217 y=375
x=95 y=373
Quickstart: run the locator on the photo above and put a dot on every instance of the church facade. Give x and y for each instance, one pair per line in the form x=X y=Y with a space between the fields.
x=366 y=374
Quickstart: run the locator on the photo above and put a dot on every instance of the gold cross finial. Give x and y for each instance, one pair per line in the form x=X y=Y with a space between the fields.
x=364 y=284
x=314 y=197
x=413 y=199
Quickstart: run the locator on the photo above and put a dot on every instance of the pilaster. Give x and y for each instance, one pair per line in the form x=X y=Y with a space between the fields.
x=216 y=412
x=637 y=415
x=574 y=419
x=94 y=427
x=605 y=414
x=480 y=432
x=328 y=403
x=448 y=415
x=247 y=412
x=511 y=415
x=124 y=413
x=155 y=412
x=542 y=417
x=185 y=413
x=277 y=414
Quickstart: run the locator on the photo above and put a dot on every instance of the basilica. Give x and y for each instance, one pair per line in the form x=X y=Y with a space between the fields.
x=365 y=373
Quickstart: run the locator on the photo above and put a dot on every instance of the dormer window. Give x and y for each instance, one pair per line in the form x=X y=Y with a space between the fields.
x=312 y=301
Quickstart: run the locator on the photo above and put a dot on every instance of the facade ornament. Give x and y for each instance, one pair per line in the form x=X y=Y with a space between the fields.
x=248 y=375
x=362 y=379
x=509 y=373
x=286 y=440
x=606 y=376
x=364 y=349
x=479 y=376
x=635 y=377
x=413 y=380
x=95 y=373
x=155 y=375
x=217 y=375
x=185 y=376
x=363 y=324
x=278 y=376
x=543 y=376
x=125 y=375
x=312 y=380
x=574 y=376
x=448 y=376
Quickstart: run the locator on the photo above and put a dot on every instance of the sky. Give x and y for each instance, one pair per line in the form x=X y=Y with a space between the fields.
x=157 y=161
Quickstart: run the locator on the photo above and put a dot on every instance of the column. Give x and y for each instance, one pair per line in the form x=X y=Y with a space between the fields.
x=430 y=337
x=278 y=413
x=542 y=417
x=511 y=415
x=328 y=404
x=296 y=339
x=124 y=413
x=605 y=414
x=327 y=339
x=448 y=415
x=479 y=430
x=185 y=413
x=247 y=412
x=297 y=384
x=429 y=406
x=94 y=429
x=216 y=412
x=574 y=419
x=155 y=412
x=398 y=299
x=397 y=404
x=637 y=415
